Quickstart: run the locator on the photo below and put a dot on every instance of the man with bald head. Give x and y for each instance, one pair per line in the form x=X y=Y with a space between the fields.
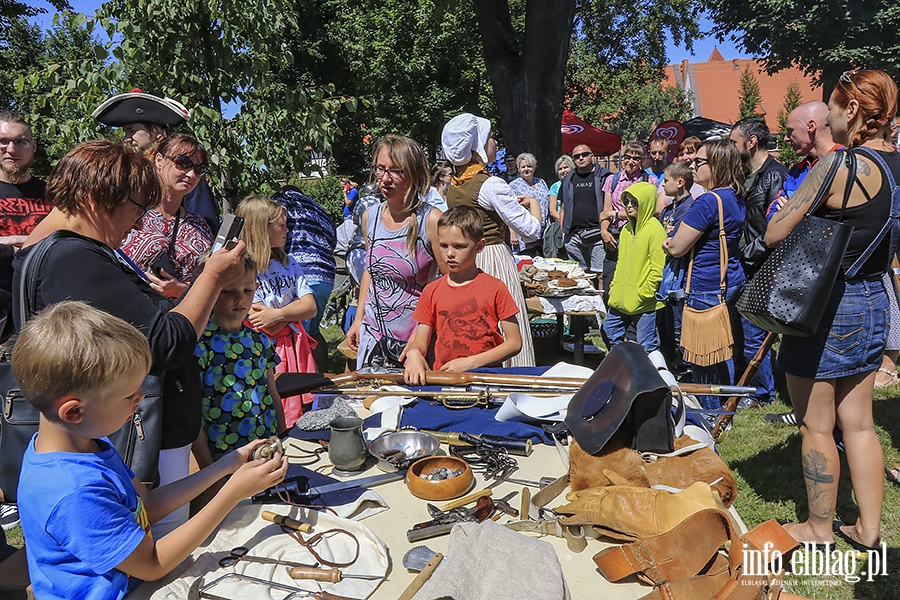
x=582 y=203
x=809 y=135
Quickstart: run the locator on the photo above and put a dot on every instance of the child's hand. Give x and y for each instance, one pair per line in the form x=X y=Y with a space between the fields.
x=256 y=476
x=263 y=317
x=414 y=368
x=460 y=365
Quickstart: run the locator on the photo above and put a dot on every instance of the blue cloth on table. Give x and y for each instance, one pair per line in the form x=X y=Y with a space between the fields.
x=436 y=417
x=425 y=415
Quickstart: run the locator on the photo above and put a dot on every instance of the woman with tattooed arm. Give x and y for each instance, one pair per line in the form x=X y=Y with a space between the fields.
x=831 y=374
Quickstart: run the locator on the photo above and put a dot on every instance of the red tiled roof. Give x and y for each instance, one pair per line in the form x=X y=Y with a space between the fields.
x=717 y=85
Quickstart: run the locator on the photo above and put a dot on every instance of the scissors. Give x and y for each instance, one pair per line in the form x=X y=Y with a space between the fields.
x=240 y=553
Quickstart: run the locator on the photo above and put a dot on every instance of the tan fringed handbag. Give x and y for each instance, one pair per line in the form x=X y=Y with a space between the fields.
x=706 y=337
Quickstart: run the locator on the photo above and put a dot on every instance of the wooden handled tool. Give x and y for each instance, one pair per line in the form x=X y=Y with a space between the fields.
x=466 y=499
x=421 y=578
x=328 y=575
x=286 y=521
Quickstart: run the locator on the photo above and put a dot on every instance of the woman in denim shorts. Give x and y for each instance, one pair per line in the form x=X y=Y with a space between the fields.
x=831 y=374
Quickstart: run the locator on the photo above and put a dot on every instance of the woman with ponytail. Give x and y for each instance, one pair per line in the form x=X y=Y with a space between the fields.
x=401 y=254
x=831 y=374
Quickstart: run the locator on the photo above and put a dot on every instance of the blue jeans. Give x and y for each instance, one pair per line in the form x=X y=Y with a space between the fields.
x=616 y=323
x=751 y=339
x=720 y=373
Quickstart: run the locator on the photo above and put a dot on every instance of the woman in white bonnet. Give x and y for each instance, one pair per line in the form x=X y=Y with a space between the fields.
x=469 y=146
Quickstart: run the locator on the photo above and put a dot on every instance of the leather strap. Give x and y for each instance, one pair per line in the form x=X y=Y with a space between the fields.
x=723 y=253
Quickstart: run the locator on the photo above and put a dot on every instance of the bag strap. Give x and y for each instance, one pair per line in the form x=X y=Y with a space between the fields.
x=171 y=250
x=723 y=253
x=28 y=279
x=892 y=223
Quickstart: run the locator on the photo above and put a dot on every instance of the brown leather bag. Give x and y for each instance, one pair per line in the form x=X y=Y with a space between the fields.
x=686 y=563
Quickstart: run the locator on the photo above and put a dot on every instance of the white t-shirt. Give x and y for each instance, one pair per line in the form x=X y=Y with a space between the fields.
x=281 y=284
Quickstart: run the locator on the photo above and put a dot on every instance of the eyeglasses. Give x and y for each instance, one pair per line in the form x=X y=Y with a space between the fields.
x=380 y=171
x=631 y=157
x=144 y=209
x=582 y=155
x=629 y=202
x=186 y=164
x=19 y=143
x=699 y=161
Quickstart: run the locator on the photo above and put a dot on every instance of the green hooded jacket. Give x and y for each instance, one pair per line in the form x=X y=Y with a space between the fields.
x=639 y=269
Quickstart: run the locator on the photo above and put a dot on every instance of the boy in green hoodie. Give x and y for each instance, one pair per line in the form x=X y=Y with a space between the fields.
x=639 y=271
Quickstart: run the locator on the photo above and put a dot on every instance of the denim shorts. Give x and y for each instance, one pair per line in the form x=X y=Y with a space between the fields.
x=851 y=336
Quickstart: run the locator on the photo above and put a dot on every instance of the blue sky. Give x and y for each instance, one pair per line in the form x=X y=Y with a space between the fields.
x=702 y=48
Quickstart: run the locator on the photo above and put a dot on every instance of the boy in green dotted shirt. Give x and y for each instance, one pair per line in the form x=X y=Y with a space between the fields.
x=237 y=370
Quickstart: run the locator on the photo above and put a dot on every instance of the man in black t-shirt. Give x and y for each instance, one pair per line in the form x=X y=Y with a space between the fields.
x=582 y=202
x=22 y=204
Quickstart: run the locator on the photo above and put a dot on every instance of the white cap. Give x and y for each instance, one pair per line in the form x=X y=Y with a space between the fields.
x=463 y=135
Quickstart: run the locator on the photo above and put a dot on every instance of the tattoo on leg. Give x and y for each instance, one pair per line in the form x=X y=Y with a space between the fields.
x=820 y=492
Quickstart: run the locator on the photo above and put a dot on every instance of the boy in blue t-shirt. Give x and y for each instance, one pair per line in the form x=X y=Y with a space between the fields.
x=85 y=517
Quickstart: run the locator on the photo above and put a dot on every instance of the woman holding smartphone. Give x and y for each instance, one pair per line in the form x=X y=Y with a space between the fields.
x=171 y=239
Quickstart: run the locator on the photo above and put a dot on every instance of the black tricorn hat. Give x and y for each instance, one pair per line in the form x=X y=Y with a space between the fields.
x=138 y=107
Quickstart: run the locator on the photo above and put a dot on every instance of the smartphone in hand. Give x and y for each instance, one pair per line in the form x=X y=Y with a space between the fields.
x=231 y=229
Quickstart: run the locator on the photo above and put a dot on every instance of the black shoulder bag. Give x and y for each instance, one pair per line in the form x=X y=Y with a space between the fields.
x=138 y=441
x=787 y=295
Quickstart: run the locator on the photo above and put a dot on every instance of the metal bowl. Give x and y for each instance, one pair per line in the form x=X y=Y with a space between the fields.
x=398 y=450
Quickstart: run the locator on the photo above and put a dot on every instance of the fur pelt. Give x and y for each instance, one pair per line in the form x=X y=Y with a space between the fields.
x=586 y=470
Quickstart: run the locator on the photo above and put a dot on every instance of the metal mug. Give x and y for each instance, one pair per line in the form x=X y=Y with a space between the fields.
x=347 y=450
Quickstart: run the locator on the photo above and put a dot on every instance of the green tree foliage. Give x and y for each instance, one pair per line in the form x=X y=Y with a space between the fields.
x=786 y=153
x=11 y=11
x=749 y=94
x=210 y=55
x=823 y=38
x=629 y=100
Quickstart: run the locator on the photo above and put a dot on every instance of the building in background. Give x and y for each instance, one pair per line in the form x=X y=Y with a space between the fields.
x=713 y=87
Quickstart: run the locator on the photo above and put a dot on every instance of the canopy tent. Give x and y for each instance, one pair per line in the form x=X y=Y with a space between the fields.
x=576 y=132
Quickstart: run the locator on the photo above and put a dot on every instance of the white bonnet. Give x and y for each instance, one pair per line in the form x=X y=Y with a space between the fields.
x=463 y=135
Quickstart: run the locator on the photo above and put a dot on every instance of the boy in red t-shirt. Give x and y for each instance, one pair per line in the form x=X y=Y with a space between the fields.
x=466 y=309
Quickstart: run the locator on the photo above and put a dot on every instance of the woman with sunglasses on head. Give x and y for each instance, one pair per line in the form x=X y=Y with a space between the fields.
x=469 y=144
x=168 y=245
x=719 y=169
x=831 y=374
x=401 y=254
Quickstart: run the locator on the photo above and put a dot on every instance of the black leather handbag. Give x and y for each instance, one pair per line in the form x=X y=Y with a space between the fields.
x=787 y=295
x=138 y=441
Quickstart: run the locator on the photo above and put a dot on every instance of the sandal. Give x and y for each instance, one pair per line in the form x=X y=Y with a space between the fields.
x=889 y=373
x=838 y=528
x=893 y=475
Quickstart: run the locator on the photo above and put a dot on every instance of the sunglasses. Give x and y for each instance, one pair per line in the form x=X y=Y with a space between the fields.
x=699 y=161
x=847 y=76
x=582 y=155
x=186 y=164
x=657 y=153
x=629 y=202
x=631 y=157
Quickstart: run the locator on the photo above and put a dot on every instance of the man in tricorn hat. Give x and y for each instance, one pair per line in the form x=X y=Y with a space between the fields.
x=146 y=119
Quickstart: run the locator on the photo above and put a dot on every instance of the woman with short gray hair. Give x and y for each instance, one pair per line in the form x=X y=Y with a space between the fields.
x=526 y=184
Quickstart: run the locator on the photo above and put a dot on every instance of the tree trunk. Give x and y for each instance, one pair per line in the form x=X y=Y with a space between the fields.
x=529 y=78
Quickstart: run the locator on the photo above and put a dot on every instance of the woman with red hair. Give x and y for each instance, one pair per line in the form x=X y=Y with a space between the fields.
x=831 y=374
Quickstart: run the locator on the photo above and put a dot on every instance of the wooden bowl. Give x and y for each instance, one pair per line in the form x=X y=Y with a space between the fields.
x=445 y=489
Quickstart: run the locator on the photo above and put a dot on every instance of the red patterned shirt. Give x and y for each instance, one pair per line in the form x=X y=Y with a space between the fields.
x=192 y=240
